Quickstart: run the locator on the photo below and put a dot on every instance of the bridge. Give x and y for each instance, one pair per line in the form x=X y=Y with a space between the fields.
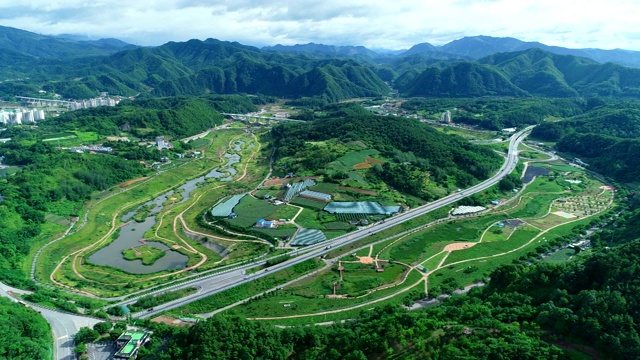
x=43 y=102
x=256 y=118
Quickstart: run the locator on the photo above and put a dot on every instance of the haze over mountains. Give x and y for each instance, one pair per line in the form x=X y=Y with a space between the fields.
x=472 y=66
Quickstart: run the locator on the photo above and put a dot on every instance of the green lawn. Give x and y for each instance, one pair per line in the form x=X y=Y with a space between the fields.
x=520 y=237
x=434 y=260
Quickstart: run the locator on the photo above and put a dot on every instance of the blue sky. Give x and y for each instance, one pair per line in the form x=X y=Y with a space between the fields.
x=391 y=24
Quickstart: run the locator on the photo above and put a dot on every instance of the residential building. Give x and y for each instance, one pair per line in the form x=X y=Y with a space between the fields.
x=265 y=224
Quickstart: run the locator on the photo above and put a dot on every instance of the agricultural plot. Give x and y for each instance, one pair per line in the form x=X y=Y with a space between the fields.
x=356 y=157
x=357 y=178
x=306 y=237
x=250 y=209
x=346 y=217
x=328 y=188
x=308 y=203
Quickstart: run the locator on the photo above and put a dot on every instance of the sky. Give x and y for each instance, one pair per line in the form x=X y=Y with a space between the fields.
x=376 y=24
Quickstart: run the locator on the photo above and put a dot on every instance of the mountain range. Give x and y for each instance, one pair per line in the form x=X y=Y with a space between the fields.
x=468 y=48
x=24 y=43
x=469 y=67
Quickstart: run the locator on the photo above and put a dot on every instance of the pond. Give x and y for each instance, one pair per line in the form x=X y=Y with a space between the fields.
x=132 y=233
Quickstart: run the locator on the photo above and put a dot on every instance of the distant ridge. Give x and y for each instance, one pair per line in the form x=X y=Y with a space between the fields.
x=320 y=49
x=51 y=47
x=476 y=47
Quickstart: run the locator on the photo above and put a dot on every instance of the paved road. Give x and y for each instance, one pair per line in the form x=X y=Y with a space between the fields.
x=234 y=277
x=64 y=326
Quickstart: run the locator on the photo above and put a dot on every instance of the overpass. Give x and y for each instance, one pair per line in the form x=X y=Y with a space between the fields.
x=43 y=102
x=256 y=118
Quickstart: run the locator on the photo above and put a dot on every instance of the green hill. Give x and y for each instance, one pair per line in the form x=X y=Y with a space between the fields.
x=49 y=47
x=530 y=72
x=465 y=79
x=201 y=67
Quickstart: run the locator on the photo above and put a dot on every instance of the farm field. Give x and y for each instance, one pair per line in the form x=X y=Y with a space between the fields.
x=454 y=253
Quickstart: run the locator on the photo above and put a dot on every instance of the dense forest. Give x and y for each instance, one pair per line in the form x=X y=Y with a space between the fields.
x=526 y=312
x=499 y=113
x=417 y=150
x=24 y=334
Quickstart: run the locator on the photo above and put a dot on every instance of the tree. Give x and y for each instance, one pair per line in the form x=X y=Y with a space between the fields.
x=102 y=327
x=80 y=349
x=85 y=335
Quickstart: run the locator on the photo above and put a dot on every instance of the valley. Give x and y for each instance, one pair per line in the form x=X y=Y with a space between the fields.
x=453 y=201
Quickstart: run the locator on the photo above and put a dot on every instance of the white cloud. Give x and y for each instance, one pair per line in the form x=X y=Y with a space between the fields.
x=373 y=23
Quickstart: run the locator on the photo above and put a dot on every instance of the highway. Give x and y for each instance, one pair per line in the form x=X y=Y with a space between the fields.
x=233 y=277
x=65 y=326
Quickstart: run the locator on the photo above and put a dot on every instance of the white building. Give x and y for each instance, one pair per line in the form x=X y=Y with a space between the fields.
x=446 y=117
x=90 y=103
x=20 y=116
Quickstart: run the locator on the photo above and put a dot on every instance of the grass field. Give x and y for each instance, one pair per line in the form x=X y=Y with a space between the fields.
x=274 y=305
x=560 y=256
x=433 y=261
x=520 y=237
x=148 y=254
x=417 y=246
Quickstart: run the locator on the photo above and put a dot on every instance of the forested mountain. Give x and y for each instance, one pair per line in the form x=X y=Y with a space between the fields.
x=200 y=67
x=476 y=47
x=530 y=72
x=605 y=137
x=24 y=334
x=465 y=79
x=49 y=47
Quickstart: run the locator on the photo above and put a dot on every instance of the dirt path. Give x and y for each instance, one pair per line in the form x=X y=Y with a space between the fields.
x=252 y=157
x=368 y=303
x=425 y=276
